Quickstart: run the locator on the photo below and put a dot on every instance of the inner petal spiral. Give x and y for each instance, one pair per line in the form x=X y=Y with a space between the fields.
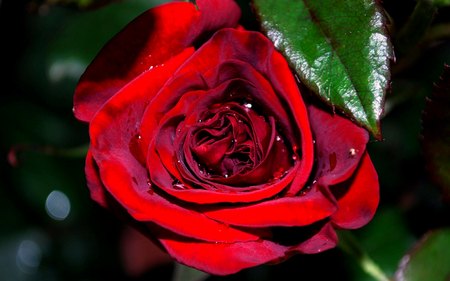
x=232 y=142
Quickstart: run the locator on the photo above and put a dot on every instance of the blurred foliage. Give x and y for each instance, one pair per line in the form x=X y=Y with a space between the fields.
x=436 y=135
x=45 y=48
x=429 y=260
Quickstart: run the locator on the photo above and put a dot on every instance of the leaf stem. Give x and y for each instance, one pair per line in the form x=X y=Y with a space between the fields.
x=75 y=152
x=350 y=245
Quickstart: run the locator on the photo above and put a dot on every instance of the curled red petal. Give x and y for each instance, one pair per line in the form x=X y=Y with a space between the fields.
x=357 y=197
x=148 y=41
x=218 y=258
x=287 y=211
x=340 y=145
x=323 y=240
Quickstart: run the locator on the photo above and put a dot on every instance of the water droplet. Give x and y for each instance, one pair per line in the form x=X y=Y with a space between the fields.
x=314 y=141
x=135 y=149
x=199 y=121
x=278 y=138
x=332 y=161
x=134 y=180
x=178 y=185
x=295 y=148
x=248 y=105
x=314 y=181
x=295 y=157
x=226 y=176
x=352 y=153
x=277 y=175
x=149 y=183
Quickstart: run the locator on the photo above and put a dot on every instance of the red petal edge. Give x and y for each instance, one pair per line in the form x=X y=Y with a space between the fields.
x=148 y=41
x=357 y=197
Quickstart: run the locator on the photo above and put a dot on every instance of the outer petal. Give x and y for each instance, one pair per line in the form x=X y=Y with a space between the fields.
x=146 y=42
x=323 y=240
x=287 y=211
x=218 y=258
x=339 y=145
x=357 y=197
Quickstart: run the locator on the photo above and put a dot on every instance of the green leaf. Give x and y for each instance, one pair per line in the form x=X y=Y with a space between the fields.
x=339 y=48
x=429 y=260
x=436 y=134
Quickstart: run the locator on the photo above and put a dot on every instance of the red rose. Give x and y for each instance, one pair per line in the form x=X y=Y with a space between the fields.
x=201 y=140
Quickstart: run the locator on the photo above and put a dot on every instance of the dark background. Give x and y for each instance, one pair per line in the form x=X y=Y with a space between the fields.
x=45 y=48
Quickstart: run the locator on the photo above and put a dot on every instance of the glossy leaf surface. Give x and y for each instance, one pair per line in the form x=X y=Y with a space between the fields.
x=436 y=134
x=429 y=260
x=340 y=50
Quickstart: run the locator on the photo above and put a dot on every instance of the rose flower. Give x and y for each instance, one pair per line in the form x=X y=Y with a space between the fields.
x=201 y=140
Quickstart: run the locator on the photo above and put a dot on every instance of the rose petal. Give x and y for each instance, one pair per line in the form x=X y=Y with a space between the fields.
x=323 y=240
x=148 y=41
x=287 y=211
x=357 y=197
x=218 y=258
x=339 y=145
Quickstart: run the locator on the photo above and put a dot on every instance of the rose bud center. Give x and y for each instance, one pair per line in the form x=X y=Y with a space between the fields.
x=233 y=141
